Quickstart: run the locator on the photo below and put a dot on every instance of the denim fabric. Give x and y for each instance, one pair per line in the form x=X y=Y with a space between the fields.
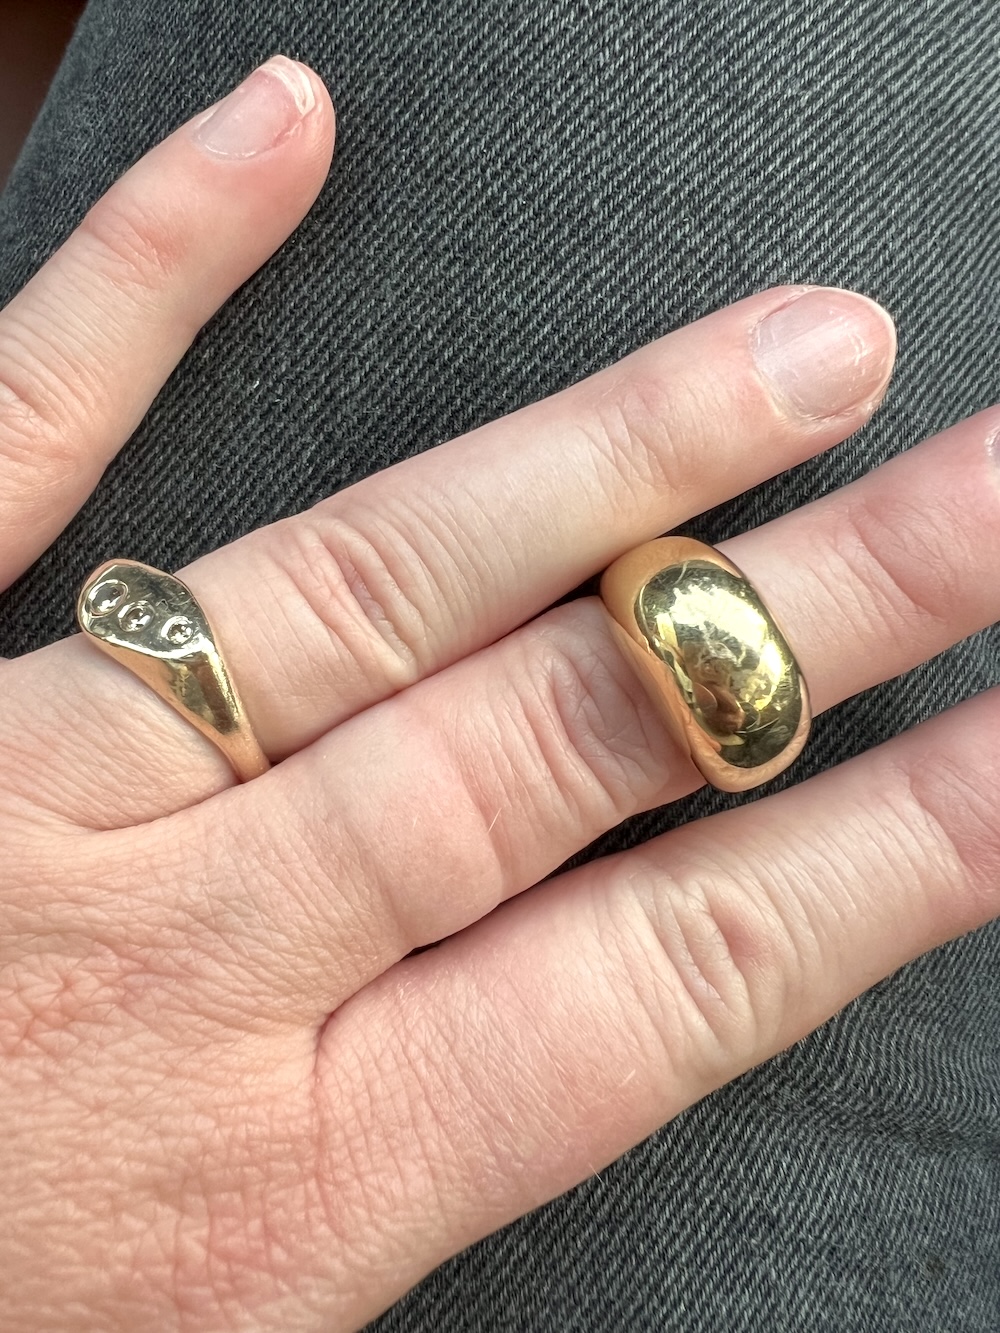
x=522 y=194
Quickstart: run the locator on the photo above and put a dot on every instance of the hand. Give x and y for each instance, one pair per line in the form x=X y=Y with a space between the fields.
x=232 y=1096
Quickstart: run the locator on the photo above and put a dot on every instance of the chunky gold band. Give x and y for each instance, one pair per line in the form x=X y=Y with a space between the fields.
x=712 y=659
x=151 y=623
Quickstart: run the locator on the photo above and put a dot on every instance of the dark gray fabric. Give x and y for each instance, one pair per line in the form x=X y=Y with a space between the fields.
x=520 y=195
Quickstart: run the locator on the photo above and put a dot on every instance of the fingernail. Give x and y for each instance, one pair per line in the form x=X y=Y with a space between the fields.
x=825 y=352
x=262 y=111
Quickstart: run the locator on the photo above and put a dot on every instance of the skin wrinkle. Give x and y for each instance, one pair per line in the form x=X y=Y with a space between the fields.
x=495 y=781
x=639 y=432
x=22 y=427
x=106 y=783
x=361 y=1204
x=274 y=582
x=35 y=371
x=362 y=563
x=112 y=245
x=807 y=882
x=128 y=251
x=583 y=710
x=306 y=881
x=54 y=789
x=555 y=687
x=457 y=530
x=909 y=589
x=388 y=844
x=432 y=1096
x=714 y=972
x=975 y=871
x=327 y=582
x=531 y=1028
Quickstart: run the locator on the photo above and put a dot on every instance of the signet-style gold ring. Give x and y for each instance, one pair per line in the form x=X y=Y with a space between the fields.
x=151 y=623
x=712 y=659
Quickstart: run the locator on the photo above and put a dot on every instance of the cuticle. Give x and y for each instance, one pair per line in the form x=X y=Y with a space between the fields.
x=796 y=293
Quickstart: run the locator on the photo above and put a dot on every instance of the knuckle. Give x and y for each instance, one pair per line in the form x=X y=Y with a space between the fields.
x=590 y=721
x=888 y=562
x=946 y=815
x=47 y=390
x=715 y=961
x=128 y=245
x=360 y=590
x=37 y=442
x=638 y=425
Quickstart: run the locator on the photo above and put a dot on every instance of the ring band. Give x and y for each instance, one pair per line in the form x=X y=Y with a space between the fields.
x=151 y=622
x=712 y=658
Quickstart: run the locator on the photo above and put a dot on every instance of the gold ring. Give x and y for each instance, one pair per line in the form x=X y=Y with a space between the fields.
x=151 y=622
x=712 y=658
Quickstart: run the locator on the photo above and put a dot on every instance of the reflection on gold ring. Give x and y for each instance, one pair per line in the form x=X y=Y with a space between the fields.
x=712 y=658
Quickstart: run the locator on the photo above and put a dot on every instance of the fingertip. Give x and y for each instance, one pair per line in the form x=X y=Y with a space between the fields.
x=311 y=91
x=827 y=353
x=881 y=327
x=279 y=100
x=301 y=81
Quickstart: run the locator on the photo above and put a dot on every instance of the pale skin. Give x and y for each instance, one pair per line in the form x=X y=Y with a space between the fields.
x=231 y=1097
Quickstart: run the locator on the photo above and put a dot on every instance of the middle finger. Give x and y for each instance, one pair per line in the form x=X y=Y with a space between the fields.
x=413 y=568
x=387 y=582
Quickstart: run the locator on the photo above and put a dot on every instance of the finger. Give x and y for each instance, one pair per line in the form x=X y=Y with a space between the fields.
x=325 y=614
x=526 y=1053
x=414 y=568
x=524 y=753
x=87 y=344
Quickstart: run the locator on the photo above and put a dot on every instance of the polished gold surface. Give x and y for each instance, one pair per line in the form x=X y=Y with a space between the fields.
x=151 y=623
x=712 y=658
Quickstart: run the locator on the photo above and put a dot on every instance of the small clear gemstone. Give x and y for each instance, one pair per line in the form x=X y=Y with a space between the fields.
x=135 y=617
x=178 y=631
x=107 y=597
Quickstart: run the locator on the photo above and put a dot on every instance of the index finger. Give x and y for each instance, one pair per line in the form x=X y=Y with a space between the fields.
x=88 y=343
